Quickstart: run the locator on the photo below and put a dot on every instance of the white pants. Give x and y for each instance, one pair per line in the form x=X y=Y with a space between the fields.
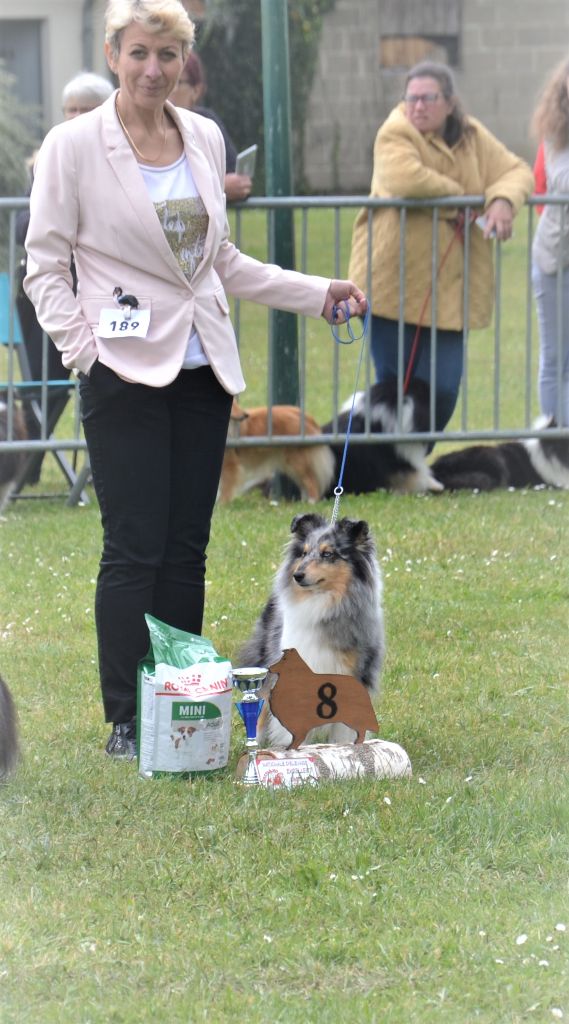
x=553 y=378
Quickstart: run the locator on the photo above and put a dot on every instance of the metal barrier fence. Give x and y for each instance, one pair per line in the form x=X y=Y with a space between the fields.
x=499 y=385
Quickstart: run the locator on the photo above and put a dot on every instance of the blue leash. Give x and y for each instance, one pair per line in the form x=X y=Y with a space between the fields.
x=352 y=336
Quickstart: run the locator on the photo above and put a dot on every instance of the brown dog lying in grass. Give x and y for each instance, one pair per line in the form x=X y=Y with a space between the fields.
x=311 y=467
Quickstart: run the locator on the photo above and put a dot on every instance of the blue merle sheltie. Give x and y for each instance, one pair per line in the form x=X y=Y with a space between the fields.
x=326 y=603
x=534 y=462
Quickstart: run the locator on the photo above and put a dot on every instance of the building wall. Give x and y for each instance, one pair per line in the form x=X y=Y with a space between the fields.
x=504 y=51
x=71 y=39
x=61 y=45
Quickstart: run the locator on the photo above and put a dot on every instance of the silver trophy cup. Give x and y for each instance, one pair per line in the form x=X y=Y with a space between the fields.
x=247 y=683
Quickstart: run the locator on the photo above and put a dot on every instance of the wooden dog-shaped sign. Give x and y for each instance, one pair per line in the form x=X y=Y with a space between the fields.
x=303 y=700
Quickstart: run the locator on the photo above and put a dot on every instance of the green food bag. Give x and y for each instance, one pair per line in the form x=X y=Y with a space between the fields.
x=184 y=704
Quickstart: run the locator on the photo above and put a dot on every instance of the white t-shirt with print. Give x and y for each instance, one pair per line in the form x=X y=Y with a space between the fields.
x=184 y=220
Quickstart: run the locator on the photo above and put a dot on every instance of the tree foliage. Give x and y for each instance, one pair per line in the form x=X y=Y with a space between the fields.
x=18 y=137
x=229 y=43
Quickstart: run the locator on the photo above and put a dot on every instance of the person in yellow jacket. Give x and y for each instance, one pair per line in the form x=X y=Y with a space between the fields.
x=429 y=148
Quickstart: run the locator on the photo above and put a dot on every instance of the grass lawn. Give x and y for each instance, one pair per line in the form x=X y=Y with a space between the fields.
x=441 y=898
x=123 y=900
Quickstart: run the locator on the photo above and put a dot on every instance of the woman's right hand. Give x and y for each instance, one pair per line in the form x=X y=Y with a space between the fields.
x=499 y=218
x=338 y=293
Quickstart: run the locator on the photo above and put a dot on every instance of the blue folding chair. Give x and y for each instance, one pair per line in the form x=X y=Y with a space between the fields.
x=5 y=314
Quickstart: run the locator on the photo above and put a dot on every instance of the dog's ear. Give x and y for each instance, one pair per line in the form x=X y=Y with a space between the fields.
x=305 y=523
x=356 y=530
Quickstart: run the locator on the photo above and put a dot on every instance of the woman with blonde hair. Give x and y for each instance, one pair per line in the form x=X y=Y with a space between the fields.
x=134 y=190
x=550 y=250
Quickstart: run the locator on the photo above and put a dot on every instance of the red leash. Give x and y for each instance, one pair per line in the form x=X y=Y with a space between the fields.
x=458 y=233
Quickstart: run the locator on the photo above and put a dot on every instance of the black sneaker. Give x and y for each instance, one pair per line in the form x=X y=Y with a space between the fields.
x=122 y=741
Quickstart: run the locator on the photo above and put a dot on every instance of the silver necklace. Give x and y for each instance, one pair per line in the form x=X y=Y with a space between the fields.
x=147 y=159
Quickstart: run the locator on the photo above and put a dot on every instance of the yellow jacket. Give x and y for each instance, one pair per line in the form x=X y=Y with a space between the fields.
x=412 y=165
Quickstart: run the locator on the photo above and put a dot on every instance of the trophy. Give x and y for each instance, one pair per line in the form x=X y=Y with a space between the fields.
x=248 y=681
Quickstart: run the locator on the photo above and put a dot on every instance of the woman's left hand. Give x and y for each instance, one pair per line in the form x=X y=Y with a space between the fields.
x=343 y=291
x=237 y=187
x=499 y=219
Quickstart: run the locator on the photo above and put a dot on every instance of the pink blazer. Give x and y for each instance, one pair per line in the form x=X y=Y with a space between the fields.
x=89 y=199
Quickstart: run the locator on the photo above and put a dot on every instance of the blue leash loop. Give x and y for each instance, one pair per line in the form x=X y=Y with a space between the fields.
x=352 y=336
x=344 y=307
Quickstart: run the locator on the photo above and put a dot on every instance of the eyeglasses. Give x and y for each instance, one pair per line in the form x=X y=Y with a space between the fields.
x=424 y=97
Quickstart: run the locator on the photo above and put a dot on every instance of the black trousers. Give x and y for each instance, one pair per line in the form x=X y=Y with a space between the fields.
x=156 y=456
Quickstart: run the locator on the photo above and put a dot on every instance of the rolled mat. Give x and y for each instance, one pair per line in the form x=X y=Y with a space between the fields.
x=320 y=762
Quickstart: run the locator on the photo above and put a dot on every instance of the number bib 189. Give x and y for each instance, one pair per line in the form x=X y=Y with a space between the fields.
x=114 y=324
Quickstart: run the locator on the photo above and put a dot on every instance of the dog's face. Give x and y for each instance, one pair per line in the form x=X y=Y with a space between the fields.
x=324 y=558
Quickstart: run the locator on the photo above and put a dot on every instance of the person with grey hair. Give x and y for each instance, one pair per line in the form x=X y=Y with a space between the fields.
x=135 y=190
x=83 y=93
x=428 y=148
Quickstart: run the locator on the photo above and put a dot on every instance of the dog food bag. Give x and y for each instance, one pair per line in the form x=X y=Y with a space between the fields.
x=184 y=704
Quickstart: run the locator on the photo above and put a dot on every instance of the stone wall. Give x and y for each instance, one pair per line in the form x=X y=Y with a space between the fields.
x=500 y=51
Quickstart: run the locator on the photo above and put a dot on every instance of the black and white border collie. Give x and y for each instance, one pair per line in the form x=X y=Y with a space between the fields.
x=533 y=462
x=391 y=465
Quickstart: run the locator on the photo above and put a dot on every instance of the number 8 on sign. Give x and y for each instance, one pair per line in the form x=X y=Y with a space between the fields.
x=327 y=708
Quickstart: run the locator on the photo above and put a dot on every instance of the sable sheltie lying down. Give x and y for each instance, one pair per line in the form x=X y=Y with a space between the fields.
x=529 y=463
x=326 y=603
x=9 y=747
x=11 y=462
x=394 y=466
x=310 y=467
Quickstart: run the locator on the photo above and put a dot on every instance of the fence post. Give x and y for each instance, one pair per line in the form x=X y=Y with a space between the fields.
x=283 y=336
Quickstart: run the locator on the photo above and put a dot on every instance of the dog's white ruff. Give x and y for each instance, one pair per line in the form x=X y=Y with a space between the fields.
x=300 y=622
x=550 y=469
x=300 y=630
x=413 y=452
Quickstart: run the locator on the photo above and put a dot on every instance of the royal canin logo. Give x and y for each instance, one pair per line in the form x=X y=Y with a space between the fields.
x=188 y=686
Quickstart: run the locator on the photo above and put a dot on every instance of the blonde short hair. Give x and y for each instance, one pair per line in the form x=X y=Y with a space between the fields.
x=153 y=15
